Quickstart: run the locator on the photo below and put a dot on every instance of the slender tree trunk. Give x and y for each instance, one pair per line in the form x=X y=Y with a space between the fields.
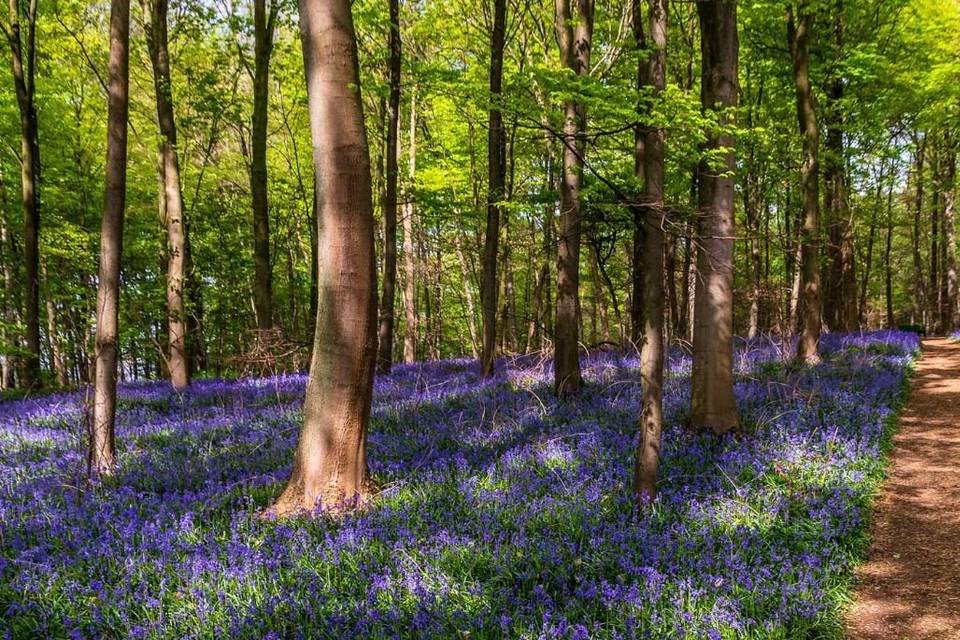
x=102 y=454
x=574 y=26
x=670 y=284
x=385 y=358
x=8 y=363
x=868 y=261
x=24 y=56
x=263 y=31
x=756 y=274
x=920 y=301
x=751 y=199
x=842 y=299
x=536 y=327
x=798 y=34
x=652 y=351
x=467 y=279
x=314 y=285
x=496 y=171
x=952 y=312
x=637 y=213
x=713 y=403
x=329 y=467
x=409 y=244
x=53 y=336
x=887 y=260
x=933 y=292
x=178 y=358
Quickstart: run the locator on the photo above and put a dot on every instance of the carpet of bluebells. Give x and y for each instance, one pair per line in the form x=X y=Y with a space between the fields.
x=501 y=512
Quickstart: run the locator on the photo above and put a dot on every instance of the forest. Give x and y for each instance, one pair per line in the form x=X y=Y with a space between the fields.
x=472 y=318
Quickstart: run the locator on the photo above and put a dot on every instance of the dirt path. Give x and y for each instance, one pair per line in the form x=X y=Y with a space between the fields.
x=910 y=586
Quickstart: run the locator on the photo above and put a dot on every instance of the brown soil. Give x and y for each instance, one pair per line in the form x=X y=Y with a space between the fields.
x=910 y=586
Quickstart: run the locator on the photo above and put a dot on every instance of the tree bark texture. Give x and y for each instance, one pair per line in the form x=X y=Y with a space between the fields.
x=652 y=352
x=386 y=331
x=713 y=403
x=329 y=468
x=172 y=196
x=24 y=64
x=263 y=30
x=798 y=34
x=496 y=172
x=574 y=26
x=101 y=458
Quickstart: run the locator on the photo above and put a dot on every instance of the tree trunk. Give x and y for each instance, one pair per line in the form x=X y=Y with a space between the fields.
x=409 y=244
x=574 y=33
x=385 y=358
x=263 y=30
x=24 y=56
x=842 y=307
x=467 y=280
x=652 y=351
x=713 y=403
x=102 y=454
x=8 y=363
x=798 y=34
x=920 y=288
x=53 y=336
x=329 y=468
x=868 y=261
x=887 y=260
x=496 y=171
x=933 y=291
x=178 y=358
x=952 y=313
x=637 y=213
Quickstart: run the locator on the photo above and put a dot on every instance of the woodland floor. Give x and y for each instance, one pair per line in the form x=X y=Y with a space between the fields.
x=910 y=585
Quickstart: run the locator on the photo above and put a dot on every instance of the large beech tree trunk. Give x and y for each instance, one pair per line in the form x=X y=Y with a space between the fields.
x=24 y=65
x=385 y=357
x=496 y=171
x=173 y=211
x=713 y=403
x=798 y=34
x=652 y=351
x=263 y=29
x=102 y=453
x=329 y=467
x=574 y=26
